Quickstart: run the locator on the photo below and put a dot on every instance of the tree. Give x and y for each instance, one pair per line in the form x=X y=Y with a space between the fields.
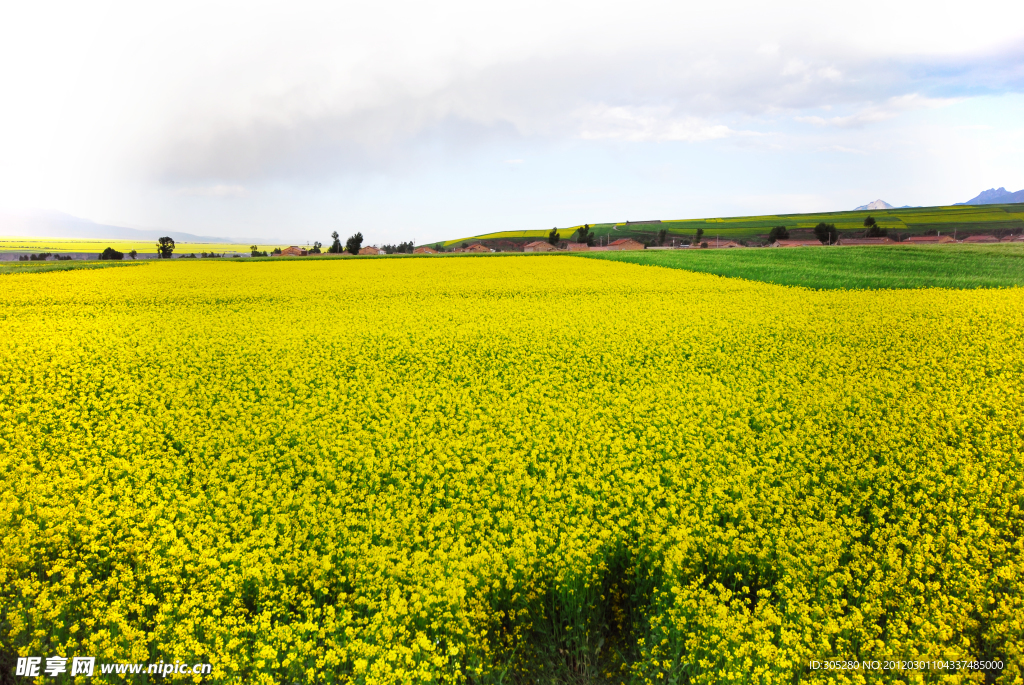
x=662 y=234
x=778 y=233
x=111 y=253
x=133 y=254
x=165 y=247
x=553 y=236
x=400 y=248
x=354 y=243
x=335 y=247
x=700 y=232
x=826 y=233
x=316 y=247
x=874 y=230
x=584 y=235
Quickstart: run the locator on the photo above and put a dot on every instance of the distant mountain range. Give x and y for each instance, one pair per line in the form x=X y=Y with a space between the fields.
x=58 y=225
x=879 y=204
x=992 y=196
x=995 y=196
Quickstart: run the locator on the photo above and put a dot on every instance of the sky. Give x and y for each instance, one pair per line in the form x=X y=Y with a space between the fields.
x=284 y=121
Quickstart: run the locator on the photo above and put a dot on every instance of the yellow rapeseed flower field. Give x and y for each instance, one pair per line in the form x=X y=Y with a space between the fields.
x=509 y=469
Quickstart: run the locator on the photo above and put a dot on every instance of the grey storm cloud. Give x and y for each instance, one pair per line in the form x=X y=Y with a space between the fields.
x=224 y=100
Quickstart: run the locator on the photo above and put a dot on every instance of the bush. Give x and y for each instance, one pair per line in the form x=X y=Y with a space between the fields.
x=778 y=233
x=111 y=253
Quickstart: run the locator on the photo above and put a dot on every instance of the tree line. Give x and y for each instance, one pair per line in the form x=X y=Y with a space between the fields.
x=825 y=233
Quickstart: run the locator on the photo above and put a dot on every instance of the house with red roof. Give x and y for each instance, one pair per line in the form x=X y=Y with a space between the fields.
x=866 y=241
x=625 y=244
x=791 y=242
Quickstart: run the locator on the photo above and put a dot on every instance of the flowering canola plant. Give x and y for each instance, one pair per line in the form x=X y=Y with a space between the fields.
x=509 y=469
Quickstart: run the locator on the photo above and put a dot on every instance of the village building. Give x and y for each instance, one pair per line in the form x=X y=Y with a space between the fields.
x=292 y=251
x=577 y=247
x=789 y=243
x=625 y=244
x=723 y=243
x=1013 y=238
x=981 y=239
x=538 y=246
x=370 y=250
x=424 y=250
x=929 y=239
x=478 y=247
x=866 y=241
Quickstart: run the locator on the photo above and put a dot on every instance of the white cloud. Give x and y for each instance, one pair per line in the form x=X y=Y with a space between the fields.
x=220 y=190
x=890 y=109
x=641 y=124
x=842 y=148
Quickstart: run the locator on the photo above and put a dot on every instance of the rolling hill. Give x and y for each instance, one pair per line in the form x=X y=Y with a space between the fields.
x=954 y=219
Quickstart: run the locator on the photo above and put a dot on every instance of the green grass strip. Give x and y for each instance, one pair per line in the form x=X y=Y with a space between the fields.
x=46 y=266
x=831 y=268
